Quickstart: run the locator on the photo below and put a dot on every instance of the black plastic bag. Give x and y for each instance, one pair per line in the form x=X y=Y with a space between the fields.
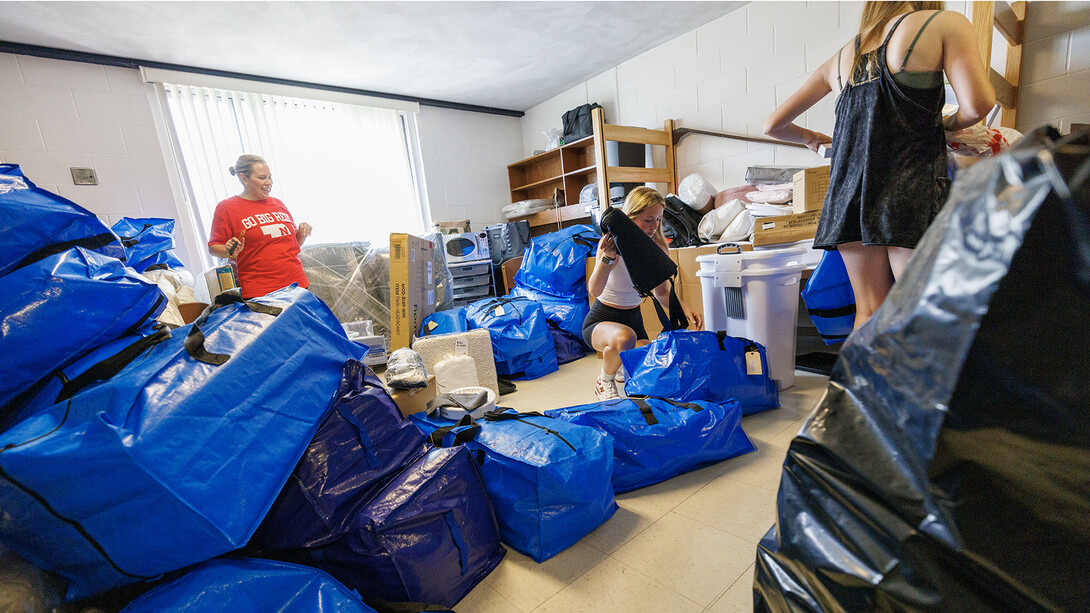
x=947 y=468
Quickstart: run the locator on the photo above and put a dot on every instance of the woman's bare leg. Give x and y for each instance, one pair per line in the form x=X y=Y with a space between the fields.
x=611 y=339
x=898 y=260
x=871 y=277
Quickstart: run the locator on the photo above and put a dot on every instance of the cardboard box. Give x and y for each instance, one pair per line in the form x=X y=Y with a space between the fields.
x=412 y=287
x=809 y=189
x=415 y=400
x=459 y=226
x=219 y=280
x=785 y=228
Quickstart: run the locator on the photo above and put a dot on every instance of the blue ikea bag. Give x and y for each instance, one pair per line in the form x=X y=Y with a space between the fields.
x=445 y=322
x=550 y=481
x=687 y=365
x=555 y=263
x=246 y=585
x=569 y=347
x=655 y=439
x=521 y=342
x=567 y=312
x=428 y=536
x=829 y=299
x=58 y=308
x=362 y=443
x=175 y=456
x=148 y=242
x=35 y=223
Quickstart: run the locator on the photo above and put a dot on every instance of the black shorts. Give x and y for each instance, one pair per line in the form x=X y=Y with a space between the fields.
x=600 y=312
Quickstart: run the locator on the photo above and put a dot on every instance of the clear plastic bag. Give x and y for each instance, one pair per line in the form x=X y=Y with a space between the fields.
x=405 y=370
x=552 y=138
x=695 y=191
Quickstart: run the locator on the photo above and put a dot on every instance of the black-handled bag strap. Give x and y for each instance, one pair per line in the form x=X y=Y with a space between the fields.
x=112 y=365
x=460 y=438
x=507 y=414
x=645 y=410
x=90 y=243
x=676 y=319
x=194 y=341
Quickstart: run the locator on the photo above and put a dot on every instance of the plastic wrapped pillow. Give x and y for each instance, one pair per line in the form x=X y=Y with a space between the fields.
x=405 y=370
x=715 y=222
x=695 y=191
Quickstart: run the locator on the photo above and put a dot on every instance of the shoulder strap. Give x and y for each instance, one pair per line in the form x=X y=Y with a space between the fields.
x=894 y=28
x=840 y=83
x=913 y=45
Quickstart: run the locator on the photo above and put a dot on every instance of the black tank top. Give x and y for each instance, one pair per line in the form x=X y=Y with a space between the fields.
x=888 y=176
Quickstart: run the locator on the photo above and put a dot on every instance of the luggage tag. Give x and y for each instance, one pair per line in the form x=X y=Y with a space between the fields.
x=753 y=361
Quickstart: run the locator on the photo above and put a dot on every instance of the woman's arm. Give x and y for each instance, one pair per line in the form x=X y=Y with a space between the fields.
x=596 y=283
x=964 y=67
x=780 y=124
x=302 y=232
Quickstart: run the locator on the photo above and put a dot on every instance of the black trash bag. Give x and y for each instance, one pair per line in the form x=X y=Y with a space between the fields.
x=947 y=468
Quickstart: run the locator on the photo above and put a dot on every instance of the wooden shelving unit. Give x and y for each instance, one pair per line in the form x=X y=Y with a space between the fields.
x=574 y=165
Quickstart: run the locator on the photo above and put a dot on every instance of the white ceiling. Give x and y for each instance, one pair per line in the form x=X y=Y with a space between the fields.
x=507 y=55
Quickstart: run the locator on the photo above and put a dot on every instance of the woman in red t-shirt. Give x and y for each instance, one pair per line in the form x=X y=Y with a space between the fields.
x=258 y=232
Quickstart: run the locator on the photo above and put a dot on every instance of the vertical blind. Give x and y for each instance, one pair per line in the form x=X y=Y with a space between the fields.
x=348 y=170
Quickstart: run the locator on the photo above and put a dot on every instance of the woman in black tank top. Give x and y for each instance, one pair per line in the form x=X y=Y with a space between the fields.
x=888 y=176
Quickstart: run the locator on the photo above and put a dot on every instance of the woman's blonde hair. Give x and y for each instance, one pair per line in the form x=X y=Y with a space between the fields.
x=244 y=165
x=641 y=199
x=875 y=17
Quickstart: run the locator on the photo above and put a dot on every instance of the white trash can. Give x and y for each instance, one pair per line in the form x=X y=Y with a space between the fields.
x=755 y=295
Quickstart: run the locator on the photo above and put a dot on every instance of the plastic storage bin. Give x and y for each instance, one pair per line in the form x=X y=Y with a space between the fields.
x=755 y=295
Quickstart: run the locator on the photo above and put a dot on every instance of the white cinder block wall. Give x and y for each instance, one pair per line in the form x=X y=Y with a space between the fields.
x=1055 y=78
x=465 y=163
x=55 y=115
x=730 y=74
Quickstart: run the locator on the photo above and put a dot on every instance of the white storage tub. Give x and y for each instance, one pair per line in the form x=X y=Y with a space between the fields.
x=755 y=295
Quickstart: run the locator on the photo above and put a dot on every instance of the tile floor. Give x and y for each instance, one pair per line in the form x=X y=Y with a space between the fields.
x=687 y=544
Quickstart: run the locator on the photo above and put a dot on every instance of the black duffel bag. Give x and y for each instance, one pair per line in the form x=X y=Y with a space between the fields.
x=577 y=122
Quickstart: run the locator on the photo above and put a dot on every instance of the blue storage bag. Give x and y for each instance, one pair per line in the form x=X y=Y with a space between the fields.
x=148 y=242
x=549 y=480
x=569 y=347
x=35 y=224
x=829 y=299
x=176 y=457
x=689 y=365
x=62 y=306
x=246 y=585
x=568 y=312
x=445 y=322
x=362 y=443
x=429 y=536
x=521 y=342
x=655 y=439
x=555 y=263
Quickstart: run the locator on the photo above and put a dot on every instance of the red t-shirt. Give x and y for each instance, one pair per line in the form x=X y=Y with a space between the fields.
x=269 y=259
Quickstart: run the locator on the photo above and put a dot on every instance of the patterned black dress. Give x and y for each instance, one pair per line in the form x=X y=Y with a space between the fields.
x=888 y=177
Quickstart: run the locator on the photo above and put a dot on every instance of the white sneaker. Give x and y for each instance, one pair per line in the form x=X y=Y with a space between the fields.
x=619 y=377
x=605 y=390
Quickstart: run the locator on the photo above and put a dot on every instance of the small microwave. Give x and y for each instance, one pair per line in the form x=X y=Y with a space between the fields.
x=466 y=247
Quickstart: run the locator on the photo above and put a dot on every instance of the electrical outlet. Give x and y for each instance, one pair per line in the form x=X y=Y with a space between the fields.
x=84 y=176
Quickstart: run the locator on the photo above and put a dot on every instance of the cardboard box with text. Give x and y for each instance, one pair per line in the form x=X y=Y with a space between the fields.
x=412 y=287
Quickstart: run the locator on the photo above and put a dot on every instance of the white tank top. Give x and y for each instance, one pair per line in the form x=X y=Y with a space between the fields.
x=619 y=291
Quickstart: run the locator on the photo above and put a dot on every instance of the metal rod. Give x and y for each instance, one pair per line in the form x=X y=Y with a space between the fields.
x=679 y=133
x=124 y=62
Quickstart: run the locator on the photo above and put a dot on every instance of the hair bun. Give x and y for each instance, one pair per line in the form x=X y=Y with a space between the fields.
x=231 y=169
